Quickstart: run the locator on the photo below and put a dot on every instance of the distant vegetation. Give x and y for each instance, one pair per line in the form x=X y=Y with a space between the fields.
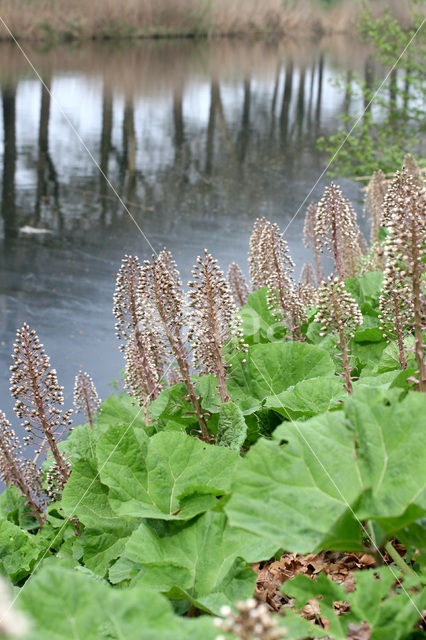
x=60 y=19
x=395 y=123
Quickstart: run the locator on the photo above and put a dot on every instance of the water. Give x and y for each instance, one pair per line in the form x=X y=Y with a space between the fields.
x=198 y=138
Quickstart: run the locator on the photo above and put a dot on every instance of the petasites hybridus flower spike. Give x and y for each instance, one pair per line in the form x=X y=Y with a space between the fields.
x=307 y=275
x=161 y=290
x=339 y=313
x=257 y=276
x=311 y=240
x=306 y=290
x=86 y=399
x=141 y=339
x=405 y=256
x=396 y=309
x=250 y=622
x=238 y=284
x=16 y=471
x=275 y=262
x=214 y=323
x=34 y=385
x=337 y=231
x=374 y=196
x=413 y=169
x=136 y=378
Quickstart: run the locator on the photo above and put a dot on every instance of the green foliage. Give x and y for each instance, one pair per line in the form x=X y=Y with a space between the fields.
x=75 y=605
x=154 y=521
x=203 y=561
x=271 y=368
x=231 y=428
x=387 y=611
x=381 y=134
x=18 y=551
x=334 y=471
x=258 y=323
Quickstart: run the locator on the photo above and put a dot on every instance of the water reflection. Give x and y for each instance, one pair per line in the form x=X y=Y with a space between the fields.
x=198 y=138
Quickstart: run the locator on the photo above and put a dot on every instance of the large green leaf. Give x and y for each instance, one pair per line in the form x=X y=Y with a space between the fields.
x=308 y=397
x=387 y=612
x=333 y=471
x=272 y=368
x=80 y=443
x=389 y=360
x=18 y=551
x=118 y=410
x=198 y=560
x=169 y=476
x=367 y=288
x=65 y=604
x=105 y=532
x=13 y=507
x=232 y=428
x=258 y=323
x=369 y=331
x=283 y=492
x=390 y=447
x=170 y=410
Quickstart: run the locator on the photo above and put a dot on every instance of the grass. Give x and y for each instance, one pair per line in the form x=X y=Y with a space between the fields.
x=60 y=19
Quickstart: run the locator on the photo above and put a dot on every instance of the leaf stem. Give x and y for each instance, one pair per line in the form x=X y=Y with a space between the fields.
x=399 y=561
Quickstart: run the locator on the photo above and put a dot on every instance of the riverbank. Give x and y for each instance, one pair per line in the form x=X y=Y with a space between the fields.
x=104 y=19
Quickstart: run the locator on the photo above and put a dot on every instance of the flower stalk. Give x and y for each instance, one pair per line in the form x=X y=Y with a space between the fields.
x=142 y=344
x=161 y=289
x=337 y=231
x=213 y=319
x=311 y=239
x=86 y=399
x=339 y=313
x=405 y=253
x=34 y=385
x=17 y=472
x=237 y=283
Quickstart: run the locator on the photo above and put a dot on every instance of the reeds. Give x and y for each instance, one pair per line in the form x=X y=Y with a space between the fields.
x=124 y=18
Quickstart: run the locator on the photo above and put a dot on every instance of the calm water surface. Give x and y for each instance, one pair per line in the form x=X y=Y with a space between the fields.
x=198 y=138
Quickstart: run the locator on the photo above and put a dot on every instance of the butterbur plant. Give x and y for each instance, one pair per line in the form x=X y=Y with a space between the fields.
x=396 y=309
x=275 y=263
x=373 y=203
x=18 y=472
x=413 y=169
x=252 y=621
x=161 y=291
x=141 y=342
x=34 y=385
x=213 y=319
x=86 y=399
x=337 y=231
x=142 y=386
x=237 y=284
x=257 y=276
x=306 y=287
x=311 y=239
x=405 y=253
x=339 y=313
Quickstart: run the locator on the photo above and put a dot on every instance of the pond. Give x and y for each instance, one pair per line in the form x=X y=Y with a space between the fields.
x=198 y=138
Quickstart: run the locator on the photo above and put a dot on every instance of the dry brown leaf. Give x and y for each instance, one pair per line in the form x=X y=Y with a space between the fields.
x=359 y=632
